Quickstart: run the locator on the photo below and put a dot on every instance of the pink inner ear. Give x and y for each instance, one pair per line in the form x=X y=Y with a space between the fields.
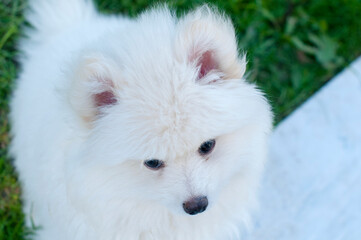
x=207 y=63
x=104 y=99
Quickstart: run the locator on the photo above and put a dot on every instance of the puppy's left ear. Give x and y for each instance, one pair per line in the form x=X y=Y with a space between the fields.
x=208 y=39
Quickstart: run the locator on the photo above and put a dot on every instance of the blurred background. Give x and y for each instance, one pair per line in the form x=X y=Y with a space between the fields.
x=293 y=47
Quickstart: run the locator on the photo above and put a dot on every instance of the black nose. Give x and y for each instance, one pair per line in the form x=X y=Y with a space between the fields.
x=195 y=205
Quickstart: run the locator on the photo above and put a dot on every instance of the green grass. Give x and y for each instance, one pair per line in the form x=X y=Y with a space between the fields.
x=293 y=48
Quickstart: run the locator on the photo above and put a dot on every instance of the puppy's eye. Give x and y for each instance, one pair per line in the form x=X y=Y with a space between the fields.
x=207 y=147
x=154 y=164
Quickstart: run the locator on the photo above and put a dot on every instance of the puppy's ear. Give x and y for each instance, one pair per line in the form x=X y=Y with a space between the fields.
x=93 y=87
x=208 y=39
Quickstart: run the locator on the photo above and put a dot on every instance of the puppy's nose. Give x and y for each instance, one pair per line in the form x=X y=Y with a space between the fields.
x=195 y=205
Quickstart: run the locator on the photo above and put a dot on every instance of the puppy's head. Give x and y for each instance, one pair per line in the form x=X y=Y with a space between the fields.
x=168 y=118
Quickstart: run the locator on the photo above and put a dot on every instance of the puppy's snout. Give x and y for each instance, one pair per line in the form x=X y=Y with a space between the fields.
x=195 y=205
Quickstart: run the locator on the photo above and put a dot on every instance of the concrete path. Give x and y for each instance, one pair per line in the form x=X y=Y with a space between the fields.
x=312 y=185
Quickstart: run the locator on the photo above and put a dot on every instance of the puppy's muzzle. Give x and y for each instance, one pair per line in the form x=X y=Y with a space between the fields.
x=195 y=205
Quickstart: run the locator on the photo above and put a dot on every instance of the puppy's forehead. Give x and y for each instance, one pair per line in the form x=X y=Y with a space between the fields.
x=174 y=112
x=172 y=117
x=174 y=121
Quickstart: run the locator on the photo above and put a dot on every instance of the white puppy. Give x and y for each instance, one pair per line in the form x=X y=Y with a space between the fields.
x=136 y=128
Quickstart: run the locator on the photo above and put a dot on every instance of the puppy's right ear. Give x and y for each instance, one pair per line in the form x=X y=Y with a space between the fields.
x=93 y=88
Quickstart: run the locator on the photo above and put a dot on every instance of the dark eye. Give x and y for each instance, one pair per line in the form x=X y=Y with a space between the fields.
x=154 y=164
x=207 y=147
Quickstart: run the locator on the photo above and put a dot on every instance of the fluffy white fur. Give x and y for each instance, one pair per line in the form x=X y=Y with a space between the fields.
x=81 y=164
